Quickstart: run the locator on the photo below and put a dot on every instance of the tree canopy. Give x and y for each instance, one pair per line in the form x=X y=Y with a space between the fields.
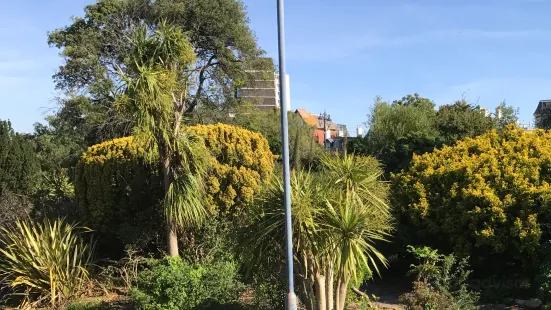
x=95 y=48
x=398 y=130
x=411 y=125
x=460 y=120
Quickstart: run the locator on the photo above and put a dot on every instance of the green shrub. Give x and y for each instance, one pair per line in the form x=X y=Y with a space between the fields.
x=173 y=284
x=424 y=297
x=444 y=275
x=46 y=260
x=487 y=197
x=270 y=290
x=452 y=282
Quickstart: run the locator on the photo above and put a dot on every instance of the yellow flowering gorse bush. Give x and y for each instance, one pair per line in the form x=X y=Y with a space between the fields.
x=115 y=185
x=486 y=194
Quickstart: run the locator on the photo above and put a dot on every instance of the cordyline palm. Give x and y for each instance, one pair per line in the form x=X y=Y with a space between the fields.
x=157 y=88
x=337 y=216
x=351 y=230
x=267 y=232
x=358 y=177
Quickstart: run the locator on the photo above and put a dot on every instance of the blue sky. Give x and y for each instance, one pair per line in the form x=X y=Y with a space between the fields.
x=340 y=54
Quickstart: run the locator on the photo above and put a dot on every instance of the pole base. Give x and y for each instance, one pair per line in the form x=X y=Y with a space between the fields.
x=291 y=301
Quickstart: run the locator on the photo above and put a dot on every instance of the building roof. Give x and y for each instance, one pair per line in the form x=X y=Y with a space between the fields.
x=546 y=103
x=307 y=117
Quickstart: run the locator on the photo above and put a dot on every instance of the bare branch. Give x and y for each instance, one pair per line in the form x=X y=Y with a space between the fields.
x=202 y=79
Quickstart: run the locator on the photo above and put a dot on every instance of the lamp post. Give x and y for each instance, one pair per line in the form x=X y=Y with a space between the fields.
x=326 y=118
x=291 y=302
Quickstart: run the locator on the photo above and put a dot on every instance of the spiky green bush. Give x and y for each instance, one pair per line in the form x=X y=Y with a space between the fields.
x=47 y=261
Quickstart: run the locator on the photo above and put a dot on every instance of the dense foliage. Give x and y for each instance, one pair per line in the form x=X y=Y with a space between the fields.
x=242 y=164
x=424 y=297
x=19 y=166
x=486 y=197
x=461 y=120
x=173 y=284
x=118 y=191
x=19 y=174
x=122 y=156
x=411 y=125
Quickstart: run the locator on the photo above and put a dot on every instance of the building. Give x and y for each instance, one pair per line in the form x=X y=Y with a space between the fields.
x=263 y=89
x=542 y=105
x=331 y=135
x=324 y=128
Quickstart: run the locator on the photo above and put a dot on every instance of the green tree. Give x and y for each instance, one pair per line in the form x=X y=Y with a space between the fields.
x=19 y=175
x=398 y=130
x=95 y=49
x=157 y=87
x=508 y=115
x=18 y=164
x=415 y=101
x=57 y=151
x=461 y=120
x=338 y=215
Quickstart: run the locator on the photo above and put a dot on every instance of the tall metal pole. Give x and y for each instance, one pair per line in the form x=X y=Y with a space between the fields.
x=291 y=297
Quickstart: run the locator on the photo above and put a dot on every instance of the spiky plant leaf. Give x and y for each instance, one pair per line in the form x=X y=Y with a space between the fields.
x=48 y=259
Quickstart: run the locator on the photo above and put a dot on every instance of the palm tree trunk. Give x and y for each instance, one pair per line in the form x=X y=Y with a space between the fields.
x=310 y=283
x=319 y=285
x=329 y=286
x=172 y=236
x=337 y=296
x=301 y=282
x=342 y=286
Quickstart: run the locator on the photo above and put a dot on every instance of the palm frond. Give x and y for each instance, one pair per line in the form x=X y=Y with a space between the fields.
x=352 y=236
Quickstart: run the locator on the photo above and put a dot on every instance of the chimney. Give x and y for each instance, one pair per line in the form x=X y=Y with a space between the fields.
x=359 y=131
x=498 y=112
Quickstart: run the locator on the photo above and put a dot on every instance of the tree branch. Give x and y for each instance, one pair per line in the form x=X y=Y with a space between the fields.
x=202 y=79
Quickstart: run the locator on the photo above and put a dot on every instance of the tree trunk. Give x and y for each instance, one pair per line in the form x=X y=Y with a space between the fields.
x=319 y=284
x=337 y=296
x=310 y=282
x=342 y=287
x=172 y=242
x=329 y=286
x=301 y=283
x=304 y=283
x=172 y=236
